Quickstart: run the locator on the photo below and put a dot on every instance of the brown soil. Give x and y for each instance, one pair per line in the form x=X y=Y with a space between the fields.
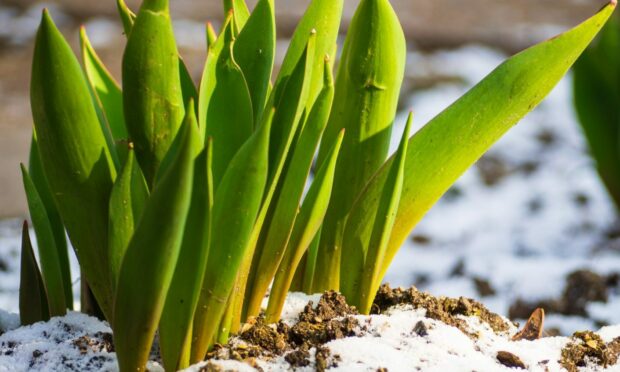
x=444 y=309
x=332 y=319
x=315 y=327
x=589 y=347
x=510 y=360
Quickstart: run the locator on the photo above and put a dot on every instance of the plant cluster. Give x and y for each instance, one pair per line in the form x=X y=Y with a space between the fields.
x=183 y=204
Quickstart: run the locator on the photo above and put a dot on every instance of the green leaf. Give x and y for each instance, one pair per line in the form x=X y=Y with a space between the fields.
x=367 y=235
x=287 y=205
x=175 y=327
x=127 y=16
x=106 y=89
x=307 y=225
x=48 y=252
x=149 y=262
x=127 y=199
x=33 y=305
x=367 y=89
x=254 y=51
x=322 y=19
x=74 y=154
x=240 y=11
x=211 y=35
x=288 y=114
x=597 y=100
x=35 y=169
x=152 y=93
x=441 y=151
x=237 y=201
x=225 y=106
x=310 y=264
x=187 y=84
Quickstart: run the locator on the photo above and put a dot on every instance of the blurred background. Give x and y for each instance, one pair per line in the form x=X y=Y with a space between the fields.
x=429 y=25
x=529 y=225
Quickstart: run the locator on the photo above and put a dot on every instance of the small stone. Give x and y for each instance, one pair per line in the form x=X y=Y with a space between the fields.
x=510 y=360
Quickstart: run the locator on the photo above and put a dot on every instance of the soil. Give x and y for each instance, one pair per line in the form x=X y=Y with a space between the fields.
x=588 y=346
x=333 y=319
x=510 y=360
x=444 y=309
x=581 y=288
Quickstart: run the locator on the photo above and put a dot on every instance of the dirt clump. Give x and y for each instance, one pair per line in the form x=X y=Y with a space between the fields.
x=510 y=360
x=443 y=309
x=330 y=320
x=325 y=359
x=581 y=288
x=589 y=347
x=483 y=287
x=102 y=341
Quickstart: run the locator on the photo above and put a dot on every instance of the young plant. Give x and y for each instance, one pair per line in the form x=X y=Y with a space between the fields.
x=184 y=204
x=597 y=101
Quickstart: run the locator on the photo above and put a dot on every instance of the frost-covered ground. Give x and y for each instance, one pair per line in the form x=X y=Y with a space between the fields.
x=529 y=214
x=402 y=339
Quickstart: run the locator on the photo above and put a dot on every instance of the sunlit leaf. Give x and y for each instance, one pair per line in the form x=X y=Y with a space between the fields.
x=367 y=91
x=307 y=225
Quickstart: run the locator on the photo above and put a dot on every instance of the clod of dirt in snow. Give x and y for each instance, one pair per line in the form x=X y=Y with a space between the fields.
x=510 y=360
x=492 y=169
x=589 y=347
x=447 y=310
x=483 y=287
x=581 y=288
x=533 y=329
x=330 y=320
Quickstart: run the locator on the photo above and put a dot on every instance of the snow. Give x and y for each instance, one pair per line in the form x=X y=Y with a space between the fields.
x=382 y=341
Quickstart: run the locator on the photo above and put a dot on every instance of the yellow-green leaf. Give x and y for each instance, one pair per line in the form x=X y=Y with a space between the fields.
x=306 y=227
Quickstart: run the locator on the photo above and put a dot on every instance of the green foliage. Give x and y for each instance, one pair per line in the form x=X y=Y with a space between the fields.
x=74 y=154
x=182 y=214
x=33 y=305
x=597 y=100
